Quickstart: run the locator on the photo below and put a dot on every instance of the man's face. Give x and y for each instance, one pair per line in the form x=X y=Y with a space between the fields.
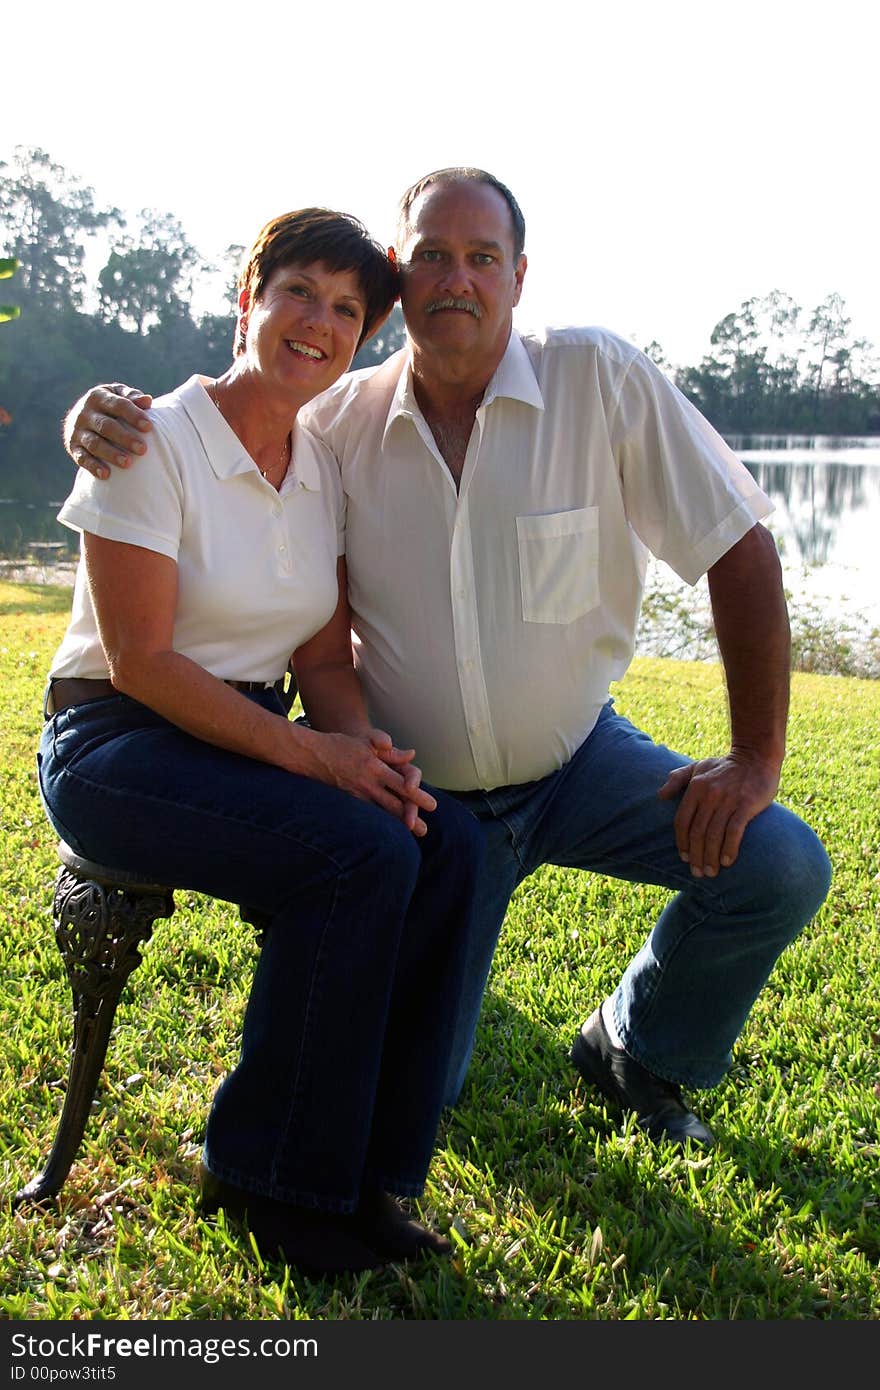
x=459 y=277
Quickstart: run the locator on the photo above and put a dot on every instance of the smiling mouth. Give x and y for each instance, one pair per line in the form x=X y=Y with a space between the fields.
x=306 y=350
x=466 y=306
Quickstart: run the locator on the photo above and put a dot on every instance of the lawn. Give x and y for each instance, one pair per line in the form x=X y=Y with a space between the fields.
x=558 y=1209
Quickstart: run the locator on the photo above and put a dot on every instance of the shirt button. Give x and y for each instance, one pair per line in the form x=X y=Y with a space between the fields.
x=276 y=510
x=281 y=549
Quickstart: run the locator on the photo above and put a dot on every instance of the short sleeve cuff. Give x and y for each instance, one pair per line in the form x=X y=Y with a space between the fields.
x=113 y=528
x=736 y=524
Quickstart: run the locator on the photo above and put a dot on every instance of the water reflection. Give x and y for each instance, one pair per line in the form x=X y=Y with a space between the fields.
x=826 y=493
x=815 y=501
x=837 y=446
x=827 y=498
x=31 y=527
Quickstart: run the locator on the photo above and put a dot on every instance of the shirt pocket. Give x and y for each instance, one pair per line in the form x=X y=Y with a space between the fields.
x=558 y=565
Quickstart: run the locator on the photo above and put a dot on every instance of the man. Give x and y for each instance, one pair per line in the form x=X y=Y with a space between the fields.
x=502 y=491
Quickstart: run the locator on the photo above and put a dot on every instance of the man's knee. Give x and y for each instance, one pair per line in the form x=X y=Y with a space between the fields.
x=809 y=871
x=788 y=864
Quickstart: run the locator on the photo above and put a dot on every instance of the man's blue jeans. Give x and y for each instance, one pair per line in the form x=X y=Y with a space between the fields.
x=347 y=1032
x=684 y=998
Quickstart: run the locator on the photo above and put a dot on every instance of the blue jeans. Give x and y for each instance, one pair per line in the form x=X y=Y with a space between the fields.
x=348 y=1028
x=684 y=998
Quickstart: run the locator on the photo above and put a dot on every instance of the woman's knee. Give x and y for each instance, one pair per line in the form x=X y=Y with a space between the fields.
x=390 y=852
x=454 y=833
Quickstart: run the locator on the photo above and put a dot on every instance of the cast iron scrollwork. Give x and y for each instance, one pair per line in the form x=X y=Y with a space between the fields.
x=99 y=927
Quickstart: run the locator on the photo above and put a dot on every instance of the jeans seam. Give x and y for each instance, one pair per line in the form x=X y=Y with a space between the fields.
x=647 y=1012
x=508 y=825
x=294 y=1195
x=687 y=880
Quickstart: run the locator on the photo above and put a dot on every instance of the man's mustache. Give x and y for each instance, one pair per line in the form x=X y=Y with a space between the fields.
x=450 y=302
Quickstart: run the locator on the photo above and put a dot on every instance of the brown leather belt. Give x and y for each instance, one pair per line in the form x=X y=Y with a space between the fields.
x=74 y=690
x=64 y=691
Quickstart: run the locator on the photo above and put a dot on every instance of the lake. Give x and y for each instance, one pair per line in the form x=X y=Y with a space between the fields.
x=826 y=493
x=826 y=521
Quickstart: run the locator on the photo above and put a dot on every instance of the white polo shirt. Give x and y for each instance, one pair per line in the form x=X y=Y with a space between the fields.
x=491 y=620
x=256 y=568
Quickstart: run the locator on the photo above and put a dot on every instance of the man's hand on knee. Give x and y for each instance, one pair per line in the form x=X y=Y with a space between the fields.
x=106 y=426
x=719 y=796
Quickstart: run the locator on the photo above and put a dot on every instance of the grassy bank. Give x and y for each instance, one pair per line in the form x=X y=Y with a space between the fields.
x=560 y=1211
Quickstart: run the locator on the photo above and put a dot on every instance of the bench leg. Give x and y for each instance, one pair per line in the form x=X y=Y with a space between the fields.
x=99 y=931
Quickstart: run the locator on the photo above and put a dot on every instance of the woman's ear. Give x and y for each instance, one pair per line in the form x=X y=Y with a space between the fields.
x=244 y=304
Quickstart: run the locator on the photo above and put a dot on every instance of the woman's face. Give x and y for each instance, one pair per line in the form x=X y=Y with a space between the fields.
x=303 y=331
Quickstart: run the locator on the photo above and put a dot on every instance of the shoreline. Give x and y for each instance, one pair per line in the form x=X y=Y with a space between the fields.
x=833 y=628
x=31 y=571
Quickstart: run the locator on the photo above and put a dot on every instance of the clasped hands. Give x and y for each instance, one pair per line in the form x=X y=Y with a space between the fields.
x=370 y=767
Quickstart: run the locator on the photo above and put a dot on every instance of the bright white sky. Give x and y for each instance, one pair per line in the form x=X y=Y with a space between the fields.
x=671 y=159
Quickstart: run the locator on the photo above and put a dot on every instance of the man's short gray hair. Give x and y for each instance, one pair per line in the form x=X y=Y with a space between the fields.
x=462 y=174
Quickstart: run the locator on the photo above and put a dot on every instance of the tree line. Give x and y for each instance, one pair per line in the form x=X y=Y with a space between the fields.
x=772 y=367
x=775 y=368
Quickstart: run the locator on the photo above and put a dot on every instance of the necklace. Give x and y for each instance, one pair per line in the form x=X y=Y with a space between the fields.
x=284 y=457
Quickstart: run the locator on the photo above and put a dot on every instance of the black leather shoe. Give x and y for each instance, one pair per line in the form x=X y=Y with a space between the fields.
x=657 y=1103
x=214 y=1193
x=316 y=1242
x=383 y=1223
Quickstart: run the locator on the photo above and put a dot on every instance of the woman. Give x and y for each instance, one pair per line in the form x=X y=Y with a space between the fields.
x=167 y=751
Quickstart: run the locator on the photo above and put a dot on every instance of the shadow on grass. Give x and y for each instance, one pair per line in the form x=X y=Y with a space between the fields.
x=689 y=1227
x=540 y=1165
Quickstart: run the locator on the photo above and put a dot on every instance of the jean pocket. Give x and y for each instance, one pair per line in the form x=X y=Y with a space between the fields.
x=77 y=729
x=558 y=565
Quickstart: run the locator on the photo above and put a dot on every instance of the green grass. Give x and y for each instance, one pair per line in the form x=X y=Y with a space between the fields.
x=560 y=1211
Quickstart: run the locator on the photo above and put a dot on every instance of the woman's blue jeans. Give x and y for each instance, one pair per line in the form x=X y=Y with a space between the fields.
x=684 y=998
x=348 y=1028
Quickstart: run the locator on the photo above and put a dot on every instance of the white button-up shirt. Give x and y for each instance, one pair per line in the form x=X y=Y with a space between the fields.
x=256 y=568
x=492 y=619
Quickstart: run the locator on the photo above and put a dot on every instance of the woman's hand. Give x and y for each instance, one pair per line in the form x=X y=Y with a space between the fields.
x=402 y=758
x=135 y=595
x=369 y=767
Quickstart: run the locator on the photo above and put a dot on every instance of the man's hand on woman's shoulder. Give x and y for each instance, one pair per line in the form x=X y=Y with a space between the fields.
x=106 y=426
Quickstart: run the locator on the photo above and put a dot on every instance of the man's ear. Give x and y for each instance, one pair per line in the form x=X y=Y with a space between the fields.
x=519 y=274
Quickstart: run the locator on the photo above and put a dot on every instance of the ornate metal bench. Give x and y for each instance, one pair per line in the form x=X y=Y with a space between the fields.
x=102 y=917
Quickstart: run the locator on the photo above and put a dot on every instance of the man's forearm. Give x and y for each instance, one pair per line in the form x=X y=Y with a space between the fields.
x=752 y=628
x=332 y=699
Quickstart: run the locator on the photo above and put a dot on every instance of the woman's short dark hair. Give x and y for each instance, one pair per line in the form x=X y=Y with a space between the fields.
x=336 y=239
